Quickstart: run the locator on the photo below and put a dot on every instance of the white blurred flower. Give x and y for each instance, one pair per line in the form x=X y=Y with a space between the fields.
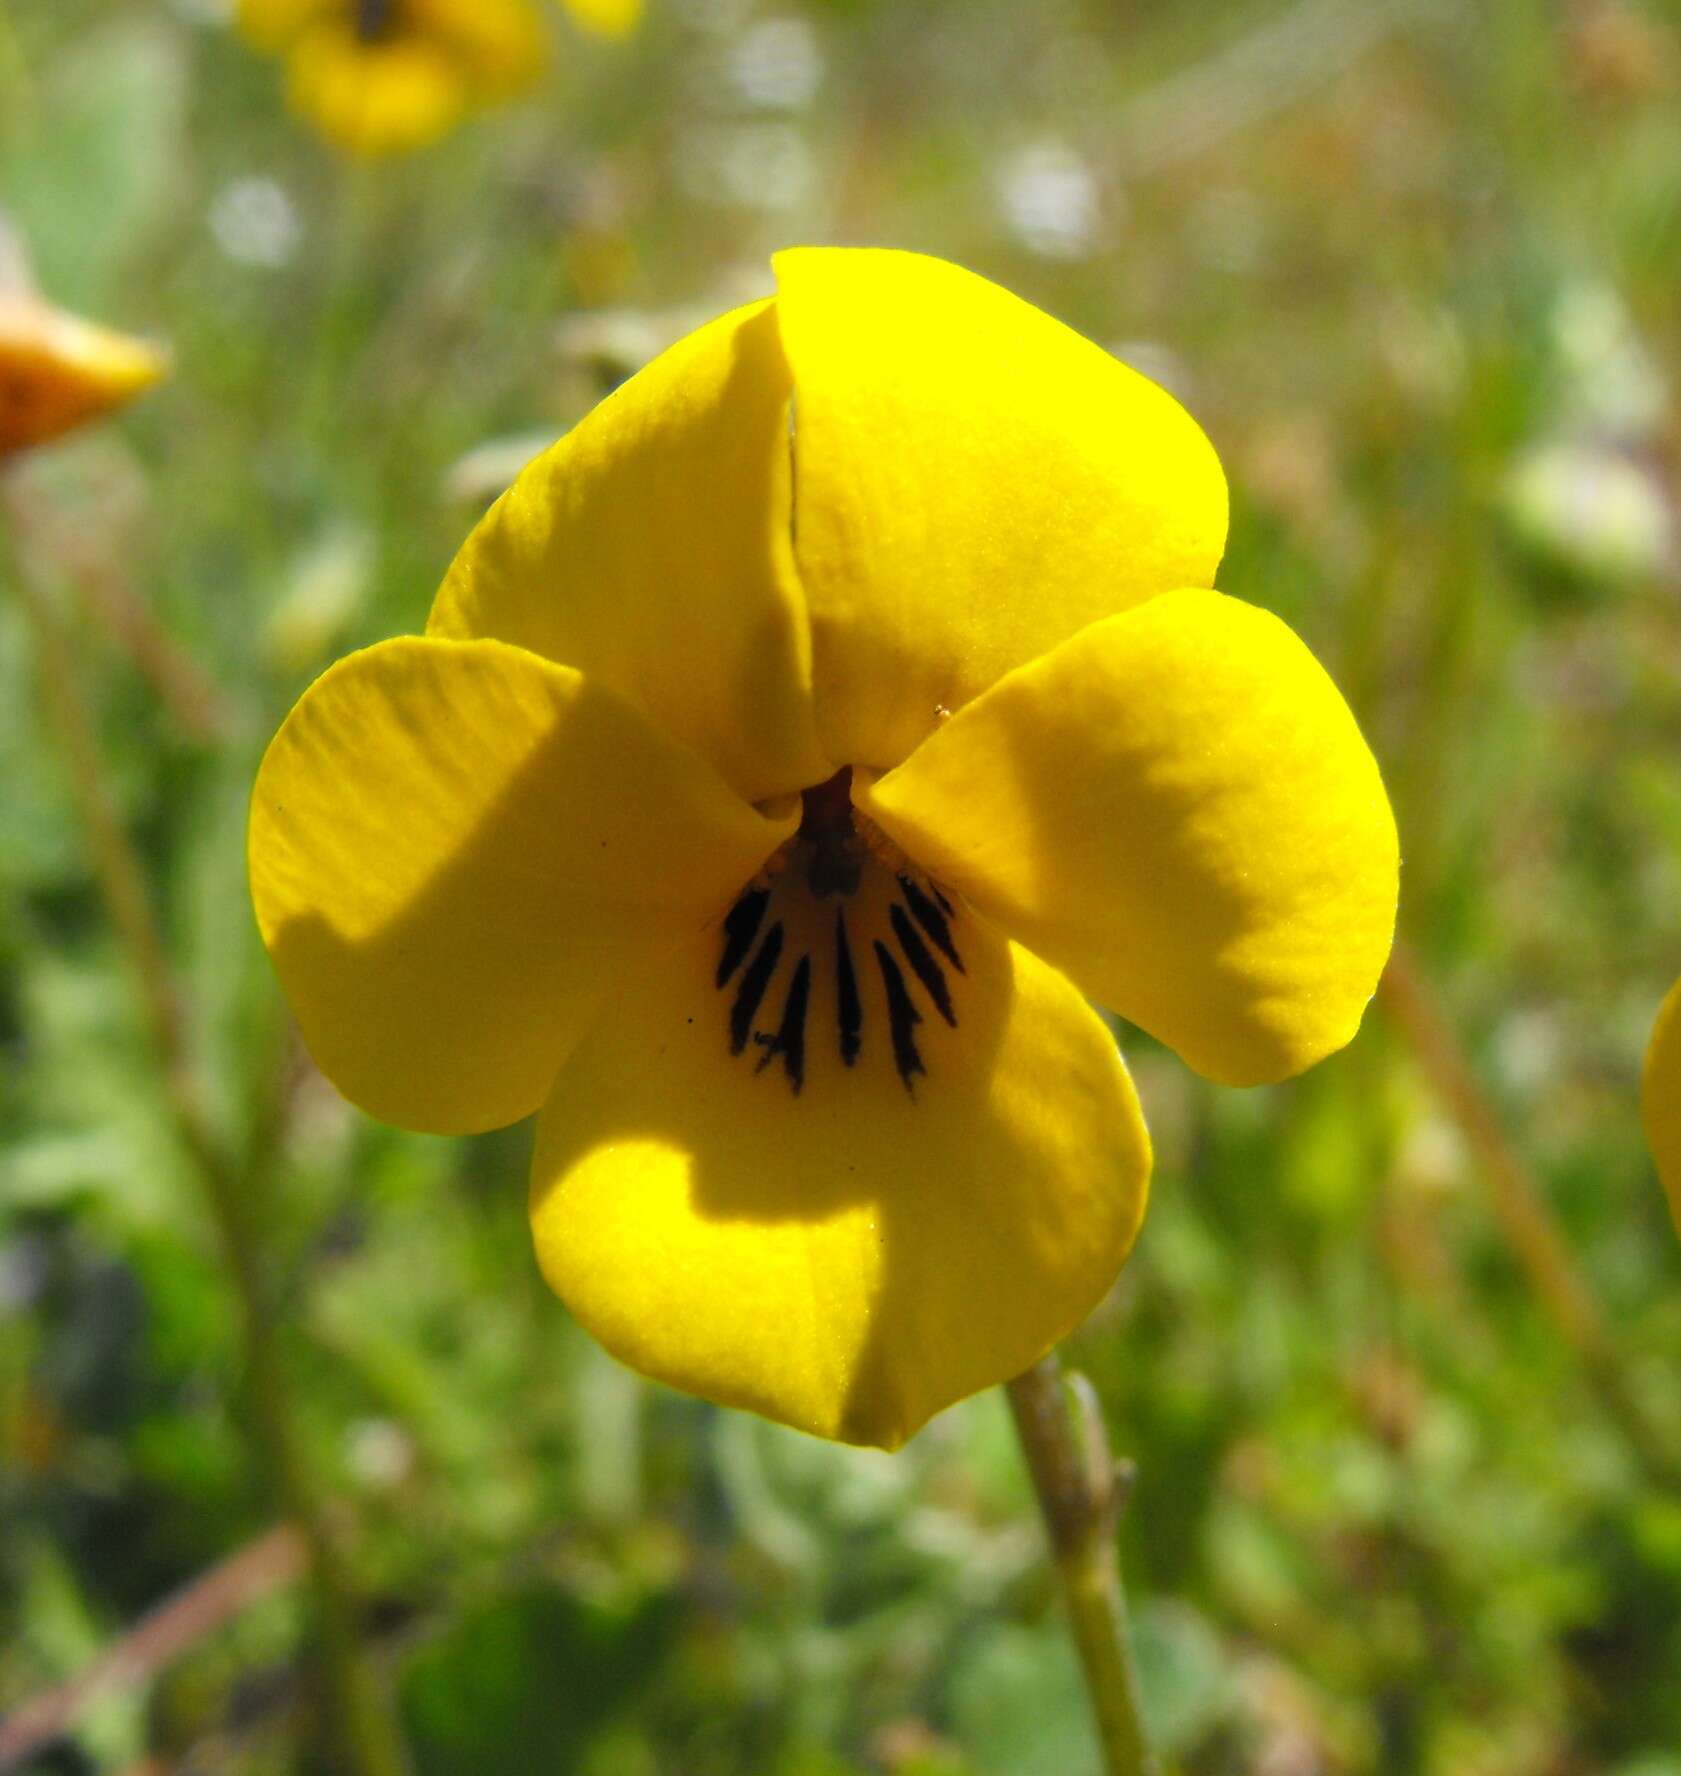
x=776 y=65
x=255 y=223
x=379 y=1452
x=1049 y=197
x=319 y=599
x=1592 y=509
x=1612 y=383
x=763 y=166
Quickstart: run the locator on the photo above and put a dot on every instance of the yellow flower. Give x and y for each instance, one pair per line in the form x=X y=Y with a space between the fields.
x=1660 y=1098
x=606 y=18
x=384 y=76
x=788 y=751
x=56 y=371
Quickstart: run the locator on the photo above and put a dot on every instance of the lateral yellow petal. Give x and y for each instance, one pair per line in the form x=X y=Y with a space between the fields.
x=973 y=484
x=57 y=371
x=606 y=18
x=901 y=1230
x=456 y=850
x=650 y=548
x=1177 y=807
x=1660 y=1098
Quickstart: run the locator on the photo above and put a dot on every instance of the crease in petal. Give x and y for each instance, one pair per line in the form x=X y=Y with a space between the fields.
x=651 y=548
x=974 y=483
x=1660 y=1098
x=1178 y=808
x=919 y=1208
x=457 y=850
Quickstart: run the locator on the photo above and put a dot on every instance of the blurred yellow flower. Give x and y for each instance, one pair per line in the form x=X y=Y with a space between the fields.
x=789 y=750
x=57 y=371
x=384 y=76
x=607 y=18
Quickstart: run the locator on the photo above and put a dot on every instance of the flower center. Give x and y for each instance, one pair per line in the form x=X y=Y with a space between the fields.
x=374 y=19
x=887 y=946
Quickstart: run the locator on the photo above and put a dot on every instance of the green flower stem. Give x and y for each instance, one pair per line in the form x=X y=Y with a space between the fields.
x=1521 y=1207
x=1060 y=1425
x=363 y=1721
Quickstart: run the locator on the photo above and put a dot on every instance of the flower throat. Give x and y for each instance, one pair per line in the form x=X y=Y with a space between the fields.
x=784 y=909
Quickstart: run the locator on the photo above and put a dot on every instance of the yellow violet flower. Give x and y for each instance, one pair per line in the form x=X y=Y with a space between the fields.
x=1660 y=1099
x=790 y=749
x=385 y=76
x=57 y=371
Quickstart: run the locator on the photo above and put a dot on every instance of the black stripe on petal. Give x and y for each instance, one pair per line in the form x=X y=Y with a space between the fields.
x=752 y=989
x=934 y=919
x=851 y=1006
x=902 y=1018
x=789 y=1040
x=928 y=971
x=741 y=926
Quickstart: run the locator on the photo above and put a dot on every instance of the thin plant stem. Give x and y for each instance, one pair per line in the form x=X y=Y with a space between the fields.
x=1532 y=1229
x=363 y=1721
x=1060 y=1427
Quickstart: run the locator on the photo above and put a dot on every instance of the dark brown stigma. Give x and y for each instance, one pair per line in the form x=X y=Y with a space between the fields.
x=835 y=859
x=374 y=19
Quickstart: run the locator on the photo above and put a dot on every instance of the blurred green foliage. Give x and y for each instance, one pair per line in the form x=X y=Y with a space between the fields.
x=1414 y=268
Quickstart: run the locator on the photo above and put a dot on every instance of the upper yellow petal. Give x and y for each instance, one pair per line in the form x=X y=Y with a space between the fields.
x=456 y=849
x=920 y=1208
x=500 y=44
x=57 y=371
x=1177 y=807
x=607 y=18
x=650 y=548
x=973 y=484
x=1660 y=1098
x=272 y=24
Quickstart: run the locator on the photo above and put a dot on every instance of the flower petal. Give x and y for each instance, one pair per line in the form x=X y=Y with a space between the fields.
x=855 y=1254
x=1660 y=1098
x=650 y=548
x=387 y=97
x=500 y=44
x=606 y=18
x=1176 y=807
x=973 y=484
x=456 y=849
x=57 y=370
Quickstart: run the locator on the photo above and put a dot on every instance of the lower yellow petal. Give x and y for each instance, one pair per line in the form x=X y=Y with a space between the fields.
x=385 y=97
x=845 y=1207
x=1660 y=1098
x=1178 y=808
x=456 y=850
x=56 y=371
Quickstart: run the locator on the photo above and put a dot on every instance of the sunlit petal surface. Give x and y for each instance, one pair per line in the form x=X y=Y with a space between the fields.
x=818 y=1164
x=974 y=483
x=457 y=850
x=1178 y=808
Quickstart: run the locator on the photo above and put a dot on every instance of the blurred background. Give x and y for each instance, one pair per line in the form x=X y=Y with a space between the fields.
x=1399 y=1354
